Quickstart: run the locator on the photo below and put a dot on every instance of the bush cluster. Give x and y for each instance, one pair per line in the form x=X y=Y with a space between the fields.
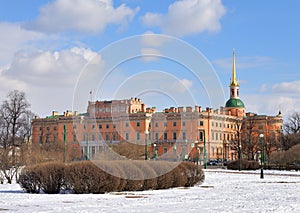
x=108 y=176
x=245 y=165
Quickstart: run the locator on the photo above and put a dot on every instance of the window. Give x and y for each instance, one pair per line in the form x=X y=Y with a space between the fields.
x=216 y=124
x=54 y=128
x=174 y=136
x=165 y=136
x=183 y=136
x=183 y=123
x=100 y=126
x=174 y=123
x=165 y=124
x=127 y=136
x=126 y=124
x=201 y=123
x=48 y=128
x=99 y=137
x=93 y=137
x=85 y=137
x=41 y=139
x=115 y=136
x=165 y=150
x=41 y=128
x=93 y=126
x=74 y=127
x=138 y=123
x=156 y=136
x=212 y=123
x=156 y=124
x=114 y=126
x=138 y=136
x=217 y=136
x=201 y=136
x=107 y=137
x=107 y=126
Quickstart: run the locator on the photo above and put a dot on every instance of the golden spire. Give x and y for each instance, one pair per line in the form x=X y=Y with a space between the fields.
x=233 y=78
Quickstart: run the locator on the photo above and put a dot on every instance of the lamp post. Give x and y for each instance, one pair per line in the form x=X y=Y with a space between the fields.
x=239 y=144
x=146 y=145
x=261 y=136
x=65 y=143
x=87 y=146
x=155 y=151
x=240 y=147
x=204 y=149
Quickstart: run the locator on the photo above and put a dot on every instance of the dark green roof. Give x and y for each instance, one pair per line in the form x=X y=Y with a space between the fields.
x=235 y=102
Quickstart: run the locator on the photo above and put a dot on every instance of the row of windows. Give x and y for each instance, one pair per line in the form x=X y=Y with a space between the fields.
x=216 y=124
x=107 y=126
x=218 y=136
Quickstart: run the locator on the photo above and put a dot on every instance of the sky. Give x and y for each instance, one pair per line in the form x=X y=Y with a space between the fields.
x=222 y=191
x=168 y=53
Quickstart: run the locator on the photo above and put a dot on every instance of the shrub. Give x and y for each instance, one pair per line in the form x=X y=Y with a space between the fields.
x=150 y=179
x=194 y=174
x=50 y=176
x=245 y=165
x=163 y=169
x=179 y=175
x=86 y=177
x=107 y=176
x=134 y=176
x=28 y=180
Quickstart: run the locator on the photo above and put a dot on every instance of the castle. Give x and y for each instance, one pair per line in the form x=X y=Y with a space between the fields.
x=177 y=133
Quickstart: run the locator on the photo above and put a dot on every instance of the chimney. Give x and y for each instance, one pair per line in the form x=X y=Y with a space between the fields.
x=54 y=113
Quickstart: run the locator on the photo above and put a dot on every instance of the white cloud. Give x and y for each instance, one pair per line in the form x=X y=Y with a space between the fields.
x=188 y=17
x=182 y=85
x=287 y=87
x=150 y=54
x=47 y=77
x=89 y=16
x=12 y=38
x=151 y=39
x=270 y=104
x=49 y=68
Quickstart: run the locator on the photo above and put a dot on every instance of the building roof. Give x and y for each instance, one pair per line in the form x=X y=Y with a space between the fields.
x=235 y=102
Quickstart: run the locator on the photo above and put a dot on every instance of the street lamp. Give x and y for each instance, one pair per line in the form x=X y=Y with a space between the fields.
x=146 y=145
x=261 y=136
x=204 y=149
x=155 y=151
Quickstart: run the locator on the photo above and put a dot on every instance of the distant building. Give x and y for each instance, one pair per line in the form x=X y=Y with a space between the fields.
x=175 y=133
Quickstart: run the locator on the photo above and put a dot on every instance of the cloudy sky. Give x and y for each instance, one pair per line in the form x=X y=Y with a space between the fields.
x=58 y=50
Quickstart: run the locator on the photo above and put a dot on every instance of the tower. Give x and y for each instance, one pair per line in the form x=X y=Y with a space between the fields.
x=234 y=106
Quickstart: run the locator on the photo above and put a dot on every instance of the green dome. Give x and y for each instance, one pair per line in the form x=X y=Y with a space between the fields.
x=235 y=102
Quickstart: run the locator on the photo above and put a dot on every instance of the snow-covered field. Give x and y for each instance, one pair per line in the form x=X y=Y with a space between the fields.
x=222 y=191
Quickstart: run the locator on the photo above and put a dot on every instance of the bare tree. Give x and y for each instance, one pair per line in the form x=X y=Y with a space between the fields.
x=292 y=131
x=15 y=130
x=250 y=143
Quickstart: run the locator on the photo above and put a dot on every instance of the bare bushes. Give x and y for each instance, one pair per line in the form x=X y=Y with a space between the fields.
x=49 y=177
x=243 y=164
x=289 y=159
x=108 y=176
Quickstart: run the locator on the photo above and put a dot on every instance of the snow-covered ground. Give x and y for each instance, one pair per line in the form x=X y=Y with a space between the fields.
x=222 y=191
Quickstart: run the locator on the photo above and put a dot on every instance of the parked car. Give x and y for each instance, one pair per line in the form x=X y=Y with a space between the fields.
x=212 y=163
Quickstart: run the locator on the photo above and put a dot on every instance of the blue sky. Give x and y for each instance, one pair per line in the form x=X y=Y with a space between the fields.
x=45 y=46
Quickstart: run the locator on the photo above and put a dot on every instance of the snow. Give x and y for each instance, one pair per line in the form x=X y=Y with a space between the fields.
x=222 y=191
